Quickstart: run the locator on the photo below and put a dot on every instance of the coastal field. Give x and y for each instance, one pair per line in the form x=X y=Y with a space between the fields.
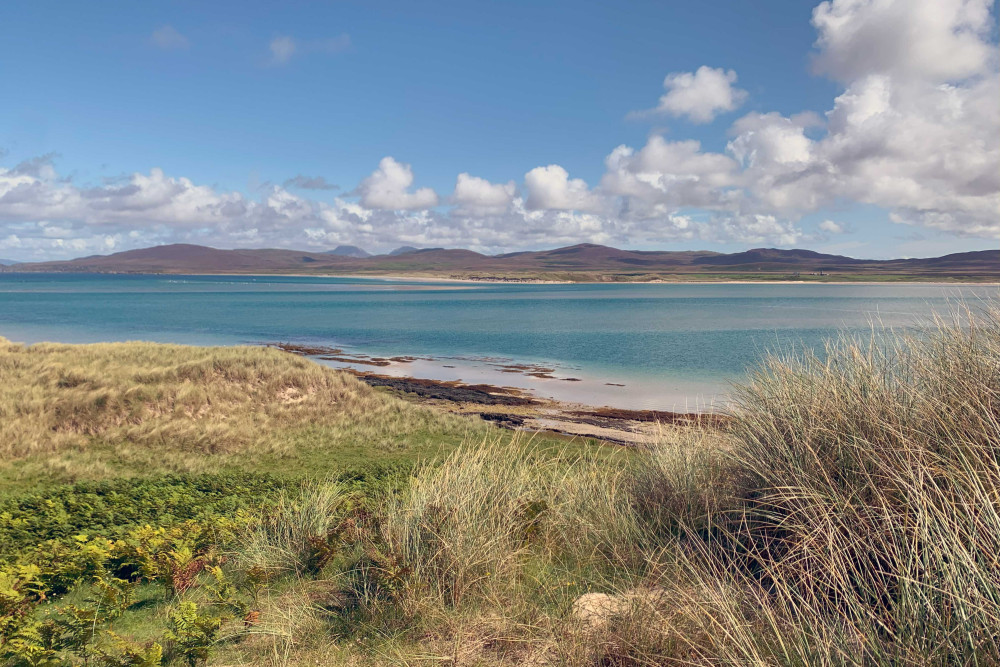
x=180 y=505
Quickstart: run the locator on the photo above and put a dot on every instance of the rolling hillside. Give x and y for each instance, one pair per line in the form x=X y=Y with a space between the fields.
x=578 y=262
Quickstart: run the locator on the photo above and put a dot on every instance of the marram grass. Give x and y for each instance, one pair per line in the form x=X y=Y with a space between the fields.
x=850 y=515
x=104 y=410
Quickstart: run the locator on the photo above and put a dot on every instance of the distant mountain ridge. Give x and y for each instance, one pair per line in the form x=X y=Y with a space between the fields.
x=349 y=251
x=570 y=262
x=403 y=250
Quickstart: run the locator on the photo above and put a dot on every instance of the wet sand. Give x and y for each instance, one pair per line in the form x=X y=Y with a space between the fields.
x=543 y=381
x=512 y=407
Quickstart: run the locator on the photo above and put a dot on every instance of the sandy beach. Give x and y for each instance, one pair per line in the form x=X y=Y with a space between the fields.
x=512 y=407
x=532 y=281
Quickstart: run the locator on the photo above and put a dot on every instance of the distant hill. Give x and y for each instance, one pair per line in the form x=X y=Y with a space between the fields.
x=349 y=251
x=8 y=262
x=776 y=256
x=579 y=262
x=403 y=250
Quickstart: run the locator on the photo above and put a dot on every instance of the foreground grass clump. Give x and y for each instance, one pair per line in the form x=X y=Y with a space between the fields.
x=870 y=500
x=93 y=411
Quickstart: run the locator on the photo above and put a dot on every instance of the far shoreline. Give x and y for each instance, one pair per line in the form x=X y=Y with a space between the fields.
x=514 y=280
x=417 y=278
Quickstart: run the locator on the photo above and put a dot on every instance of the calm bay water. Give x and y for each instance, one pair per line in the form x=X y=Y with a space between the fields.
x=672 y=346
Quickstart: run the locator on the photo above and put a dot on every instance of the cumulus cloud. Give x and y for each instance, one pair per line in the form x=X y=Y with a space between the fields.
x=388 y=188
x=929 y=40
x=310 y=183
x=755 y=228
x=672 y=174
x=551 y=188
x=831 y=227
x=44 y=216
x=914 y=136
x=701 y=95
x=478 y=195
x=168 y=38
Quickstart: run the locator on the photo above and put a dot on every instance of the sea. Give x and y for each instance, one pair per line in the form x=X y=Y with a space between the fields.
x=662 y=346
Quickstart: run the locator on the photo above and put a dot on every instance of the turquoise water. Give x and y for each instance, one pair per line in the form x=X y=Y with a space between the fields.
x=670 y=345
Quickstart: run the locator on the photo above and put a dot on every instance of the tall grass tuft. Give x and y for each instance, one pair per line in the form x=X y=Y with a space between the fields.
x=869 y=531
x=682 y=483
x=462 y=527
x=299 y=535
x=470 y=527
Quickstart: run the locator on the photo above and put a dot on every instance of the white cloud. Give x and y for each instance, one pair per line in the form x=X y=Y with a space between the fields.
x=757 y=228
x=43 y=215
x=831 y=227
x=779 y=163
x=551 y=188
x=478 y=195
x=701 y=95
x=168 y=38
x=387 y=186
x=675 y=173
x=927 y=152
x=905 y=134
x=770 y=138
x=929 y=40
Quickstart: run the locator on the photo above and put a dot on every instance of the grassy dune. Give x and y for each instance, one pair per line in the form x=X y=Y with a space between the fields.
x=849 y=514
x=70 y=412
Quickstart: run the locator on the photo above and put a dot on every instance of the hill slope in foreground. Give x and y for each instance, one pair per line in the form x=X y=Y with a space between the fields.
x=584 y=262
x=71 y=412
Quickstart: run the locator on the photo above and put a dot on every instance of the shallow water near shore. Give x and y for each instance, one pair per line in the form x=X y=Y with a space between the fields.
x=647 y=346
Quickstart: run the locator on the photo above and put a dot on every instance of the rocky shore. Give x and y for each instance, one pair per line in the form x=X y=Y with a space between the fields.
x=513 y=408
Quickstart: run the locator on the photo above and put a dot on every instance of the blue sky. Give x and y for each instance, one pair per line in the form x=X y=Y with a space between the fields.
x=127 y=124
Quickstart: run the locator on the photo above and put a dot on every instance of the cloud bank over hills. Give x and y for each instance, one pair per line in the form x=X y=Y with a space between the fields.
x=914 y=130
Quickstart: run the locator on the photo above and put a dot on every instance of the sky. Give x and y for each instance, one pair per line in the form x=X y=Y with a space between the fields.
x=869 y=128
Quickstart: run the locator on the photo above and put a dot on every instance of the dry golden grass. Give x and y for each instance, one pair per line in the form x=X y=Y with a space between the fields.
x=850 y=516
x=120 y=408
